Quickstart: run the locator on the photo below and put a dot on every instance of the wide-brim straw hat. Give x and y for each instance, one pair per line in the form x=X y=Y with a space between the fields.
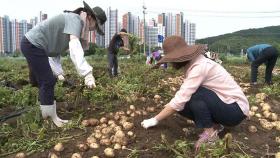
x=177 y=50
x=99 y=15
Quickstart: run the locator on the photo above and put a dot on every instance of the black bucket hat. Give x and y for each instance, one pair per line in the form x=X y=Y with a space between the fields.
x=99 y=15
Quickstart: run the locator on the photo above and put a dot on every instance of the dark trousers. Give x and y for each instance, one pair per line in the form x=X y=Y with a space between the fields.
x=269 y=57
x=40 y=70
x=205 y=108
x=113 y=64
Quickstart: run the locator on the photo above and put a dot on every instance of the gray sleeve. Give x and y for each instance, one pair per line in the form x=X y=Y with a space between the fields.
x=73 y=25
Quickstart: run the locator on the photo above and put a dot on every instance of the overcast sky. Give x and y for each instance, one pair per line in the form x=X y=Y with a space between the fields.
x=212 y=17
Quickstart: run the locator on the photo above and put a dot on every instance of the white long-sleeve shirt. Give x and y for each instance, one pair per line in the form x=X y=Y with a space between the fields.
x=56 y=67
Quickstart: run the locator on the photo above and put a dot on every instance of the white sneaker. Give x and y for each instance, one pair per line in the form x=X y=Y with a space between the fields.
x=50 y=111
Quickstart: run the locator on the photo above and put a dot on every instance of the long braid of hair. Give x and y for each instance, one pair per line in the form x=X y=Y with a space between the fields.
x=77 y=11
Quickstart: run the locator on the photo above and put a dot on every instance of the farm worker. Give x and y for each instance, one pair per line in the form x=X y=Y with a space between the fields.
x=116 y=43
x=156 y=55
x=68 y=30
x=208 y=95
x=259 y=54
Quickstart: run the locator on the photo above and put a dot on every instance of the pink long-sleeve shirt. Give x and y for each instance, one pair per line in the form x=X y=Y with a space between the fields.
x=209 y=74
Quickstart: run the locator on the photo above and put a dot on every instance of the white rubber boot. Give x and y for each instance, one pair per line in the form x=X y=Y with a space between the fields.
x=50 y=111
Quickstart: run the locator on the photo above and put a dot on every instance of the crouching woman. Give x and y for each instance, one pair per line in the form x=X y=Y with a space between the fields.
x=209 y=95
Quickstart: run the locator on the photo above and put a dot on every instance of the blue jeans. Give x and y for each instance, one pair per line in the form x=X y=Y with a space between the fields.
x=205 y=108
x=40 y=71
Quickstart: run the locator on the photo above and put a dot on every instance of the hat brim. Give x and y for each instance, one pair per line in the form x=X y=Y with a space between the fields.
x=194 y=50
x=98 y=26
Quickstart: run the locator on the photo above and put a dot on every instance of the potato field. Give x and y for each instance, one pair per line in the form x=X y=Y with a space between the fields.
x=105 y=121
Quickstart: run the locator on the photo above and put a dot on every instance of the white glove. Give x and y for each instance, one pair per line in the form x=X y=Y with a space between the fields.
x=149 y=123
x=60 y=78
x=90 y=81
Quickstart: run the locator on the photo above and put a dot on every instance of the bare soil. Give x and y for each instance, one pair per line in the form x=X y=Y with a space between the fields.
x=259 y=144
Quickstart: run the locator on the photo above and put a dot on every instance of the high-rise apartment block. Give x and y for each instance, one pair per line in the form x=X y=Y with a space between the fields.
x=1 y=37
x=6 y=26
x=111 y=25
x=131 y=23
x=11 y=33
x=155 y=31
x=190 y=32
x=175 y=25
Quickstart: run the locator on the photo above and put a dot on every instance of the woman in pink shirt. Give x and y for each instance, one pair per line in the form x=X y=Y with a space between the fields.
x=209 y=95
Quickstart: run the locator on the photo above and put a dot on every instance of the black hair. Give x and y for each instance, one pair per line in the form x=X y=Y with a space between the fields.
x=123 y=30
x=179 y=65
x=113 y=41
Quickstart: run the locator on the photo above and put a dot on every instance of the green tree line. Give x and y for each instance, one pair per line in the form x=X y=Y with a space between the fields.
x=233 y=42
